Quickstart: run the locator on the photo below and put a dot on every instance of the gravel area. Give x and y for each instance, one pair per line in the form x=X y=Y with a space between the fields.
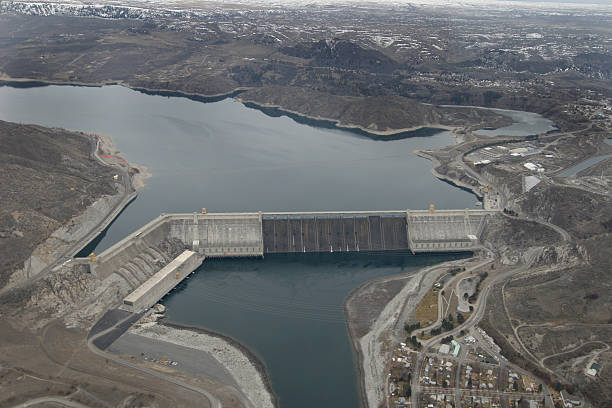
x=201 y=363
x=248 y=377
x=378 y=342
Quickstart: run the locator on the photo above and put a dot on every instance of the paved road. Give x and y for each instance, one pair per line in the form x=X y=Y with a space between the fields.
x=211 y=399
x=441 y=316
x=45 y=401
x=213 y=402
x=606 y=348
x=564 y=234
x=472 y=321
x=127 y=197
x=485 y=393
x=190 y=361
x=459 y=161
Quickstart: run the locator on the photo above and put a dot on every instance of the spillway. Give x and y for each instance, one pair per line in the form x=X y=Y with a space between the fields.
x=153 y=259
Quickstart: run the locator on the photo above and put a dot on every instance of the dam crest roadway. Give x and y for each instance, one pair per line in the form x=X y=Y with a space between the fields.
x=139 y=260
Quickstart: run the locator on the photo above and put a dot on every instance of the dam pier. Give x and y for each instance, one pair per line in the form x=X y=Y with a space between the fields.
x=145 y=261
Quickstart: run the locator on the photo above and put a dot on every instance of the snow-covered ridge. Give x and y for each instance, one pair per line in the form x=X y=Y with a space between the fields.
x=185 y=9
x=90 y=10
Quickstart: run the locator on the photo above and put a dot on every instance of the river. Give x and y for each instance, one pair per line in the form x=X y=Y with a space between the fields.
x=227 y=157
x=523 y=123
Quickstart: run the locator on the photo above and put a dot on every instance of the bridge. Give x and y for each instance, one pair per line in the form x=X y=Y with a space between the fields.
x=139 y=260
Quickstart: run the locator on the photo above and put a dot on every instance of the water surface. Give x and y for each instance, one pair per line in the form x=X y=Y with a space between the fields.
x=524 y=123
x=288 y=309
x=575 y=169
x=227 y=157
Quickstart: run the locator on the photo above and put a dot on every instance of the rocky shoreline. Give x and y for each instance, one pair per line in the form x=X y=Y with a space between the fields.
x=246 y=368
x=373 y=347
x=389 y=134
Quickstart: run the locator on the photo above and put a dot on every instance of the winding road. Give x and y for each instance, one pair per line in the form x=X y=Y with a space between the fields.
x=211 y=399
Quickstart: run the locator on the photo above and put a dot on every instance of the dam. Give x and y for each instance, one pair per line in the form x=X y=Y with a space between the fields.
x=142 y=259
x=238 y=159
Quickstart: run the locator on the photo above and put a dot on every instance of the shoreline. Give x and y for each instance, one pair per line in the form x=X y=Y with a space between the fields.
x=382 y=135
x=357 y=351
x=405 y=300
x=106 y=146
x=79 y=231
x=34 y=83
x=446 y=179
x=252 y=357
x=378 y=135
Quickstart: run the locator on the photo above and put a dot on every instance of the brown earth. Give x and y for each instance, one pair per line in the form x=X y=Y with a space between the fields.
x=48 y=176
x=146 y=55
x=374 y=114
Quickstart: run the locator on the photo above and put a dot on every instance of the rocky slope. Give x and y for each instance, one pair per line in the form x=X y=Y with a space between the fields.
x=48 y=177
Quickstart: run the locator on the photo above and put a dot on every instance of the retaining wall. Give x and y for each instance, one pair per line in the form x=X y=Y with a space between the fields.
x=153 y=289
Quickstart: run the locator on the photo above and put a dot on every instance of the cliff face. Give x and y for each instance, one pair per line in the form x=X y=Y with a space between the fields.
x=49 y=178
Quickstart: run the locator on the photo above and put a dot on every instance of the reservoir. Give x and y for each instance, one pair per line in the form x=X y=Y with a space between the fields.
x=227 y=157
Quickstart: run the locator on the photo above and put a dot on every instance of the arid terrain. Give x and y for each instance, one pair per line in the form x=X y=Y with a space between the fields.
x=53 y=182
x=546 y=300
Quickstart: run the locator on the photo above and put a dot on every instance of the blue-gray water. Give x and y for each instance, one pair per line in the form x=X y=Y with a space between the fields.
x=524 y=123
x=582 y=165
x=571 y=171
x=289 y=310
x=226 y=157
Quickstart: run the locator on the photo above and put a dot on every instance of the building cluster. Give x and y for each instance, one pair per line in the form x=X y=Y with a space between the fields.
x=438 y=400
x=478 y=401
x=594 y=107
x=438 y=372
x=452 y=348
x=400 y=374
x=520 y=403
x=477 y=376
x=501 y=153
x=592 y=369
x=523 y=383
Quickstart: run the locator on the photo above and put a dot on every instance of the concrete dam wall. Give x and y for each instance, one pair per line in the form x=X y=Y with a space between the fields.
x=139 y=255
x=334 y=232
x=146 y=258
x=219 y=235
x=446 y=231
x=418 y=231
x=147 y=294
x=144 y=252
